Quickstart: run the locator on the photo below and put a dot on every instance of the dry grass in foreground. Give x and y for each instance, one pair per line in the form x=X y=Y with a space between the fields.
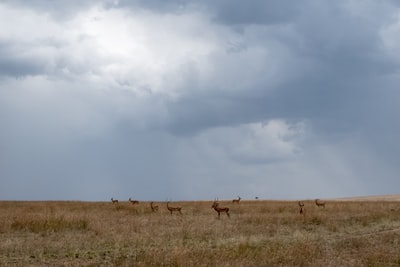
x=258 y=233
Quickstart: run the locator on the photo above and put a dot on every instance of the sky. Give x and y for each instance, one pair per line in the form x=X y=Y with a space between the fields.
x=197 y=100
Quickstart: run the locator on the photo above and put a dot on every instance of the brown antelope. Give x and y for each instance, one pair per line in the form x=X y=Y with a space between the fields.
x=236 y=200
x=153 y=208
x=216 y=207
x=114 y=201
x=302 y=209
x=319 y=203
x=172 y=209
x=134 y=202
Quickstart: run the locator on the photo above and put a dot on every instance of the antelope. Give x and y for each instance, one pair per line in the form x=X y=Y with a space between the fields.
x=134 y=202
x=153 y=208
x=302 y=209
x=216 y=207
x=172 y=209
x=114 y=201
x=319 y=203
x=236 y=200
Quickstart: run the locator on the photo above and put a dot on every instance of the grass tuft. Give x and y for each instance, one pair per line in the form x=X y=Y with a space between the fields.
x=53 y=224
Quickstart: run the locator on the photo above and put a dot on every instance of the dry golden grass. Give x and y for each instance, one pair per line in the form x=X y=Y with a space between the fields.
x=259 y=233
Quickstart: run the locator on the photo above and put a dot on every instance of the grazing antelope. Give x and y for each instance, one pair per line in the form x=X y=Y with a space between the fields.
x=153 y=208
x=134 y=202
x=236 y=200
x=302 y=209
x=172 y=209
x=216 y=207
x=114 y=201
x=319 y=203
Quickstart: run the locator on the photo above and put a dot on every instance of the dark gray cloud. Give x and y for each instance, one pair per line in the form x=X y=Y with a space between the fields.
x=258 y=12
x=189 y=100
x=226 y=12
x=14 y=63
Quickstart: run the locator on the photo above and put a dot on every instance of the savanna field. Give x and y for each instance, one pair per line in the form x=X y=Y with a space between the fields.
x=258 y=233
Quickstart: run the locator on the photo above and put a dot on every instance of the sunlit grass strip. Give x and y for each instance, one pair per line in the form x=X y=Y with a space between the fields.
x=51 y=224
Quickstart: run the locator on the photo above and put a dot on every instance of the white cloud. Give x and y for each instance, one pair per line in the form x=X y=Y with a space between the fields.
x=132 y=50
x=390 y=37
x=259 y=143
x=144 y=52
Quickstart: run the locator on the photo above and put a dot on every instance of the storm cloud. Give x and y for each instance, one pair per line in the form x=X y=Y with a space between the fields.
x=179 y=100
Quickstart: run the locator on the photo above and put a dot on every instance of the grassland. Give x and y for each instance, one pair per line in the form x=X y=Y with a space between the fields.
x=259 y=233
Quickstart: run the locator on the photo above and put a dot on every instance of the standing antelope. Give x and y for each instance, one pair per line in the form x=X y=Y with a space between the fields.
x=236 y=200
x=172 y=209
x=216 y=207
x=153 y=208
x=302 y=209
x=319 y=203
x=133 y=201
x=114 y=201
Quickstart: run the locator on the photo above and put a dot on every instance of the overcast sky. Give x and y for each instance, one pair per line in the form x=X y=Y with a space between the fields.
x=187 y=100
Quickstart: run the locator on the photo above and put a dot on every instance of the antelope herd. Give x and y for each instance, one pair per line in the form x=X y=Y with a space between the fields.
x=236 y=200
x=153 y=208
x=172 y=209
x=301 y=205
x=218 y=209
x=319 y=203
x=134 y=202
x=215 y=205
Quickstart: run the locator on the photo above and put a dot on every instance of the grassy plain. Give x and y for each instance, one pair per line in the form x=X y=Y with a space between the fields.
x=259 y=233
